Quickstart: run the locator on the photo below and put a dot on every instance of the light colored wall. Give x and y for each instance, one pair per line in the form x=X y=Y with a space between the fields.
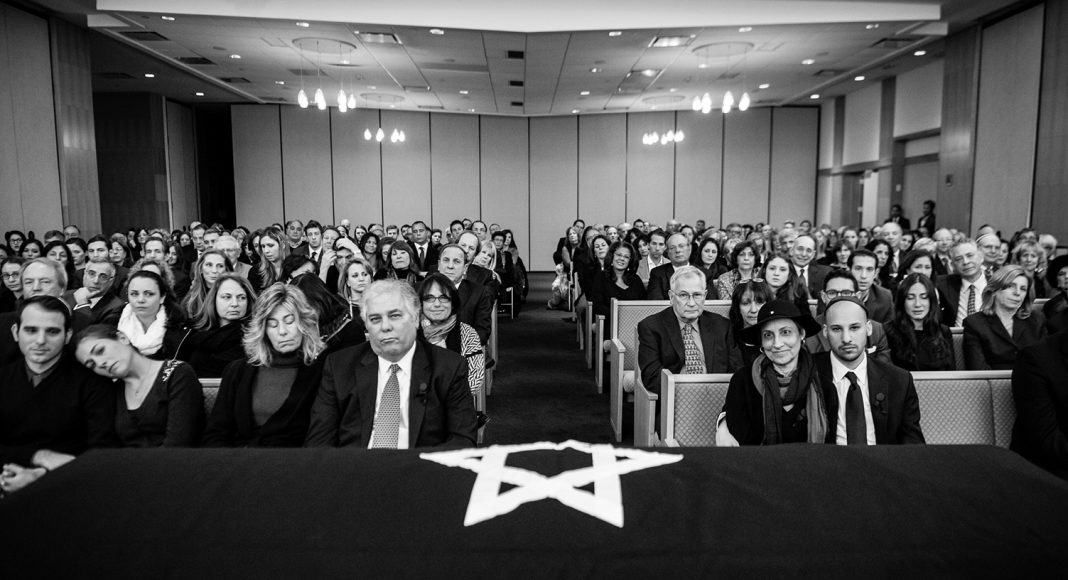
x=1007 y=128
x=826 y=158
x=533 y=176
x=863 y=110
x=918 y=99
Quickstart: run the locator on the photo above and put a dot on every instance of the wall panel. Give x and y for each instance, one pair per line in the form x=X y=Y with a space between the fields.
x=506 y=177
x=699 y=167
x=602 y=164
x=406 y=168
x=862 y=116
x=181 y=165
x=747 y=166
x=257 y=164
x=650 y=168
x=454 y=168
x=1051 y=170
x=918 y=99
x=793 y=163
x=826 y=142
x=10 y=186
x=131 y=146
x=1009 y=82
x=553 y=185
x=307 y=183
x=959 y=105
x=357 y=167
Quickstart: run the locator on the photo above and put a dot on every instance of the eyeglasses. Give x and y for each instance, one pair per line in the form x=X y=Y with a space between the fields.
x=11 y=276
x=832 y=294
x=687 y=296
x=431 y=299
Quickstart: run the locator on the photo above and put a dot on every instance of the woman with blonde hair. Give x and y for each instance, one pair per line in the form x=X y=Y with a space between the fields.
x=265 y=401
x=1005 y=324
x=210 y=265
x=272 y=250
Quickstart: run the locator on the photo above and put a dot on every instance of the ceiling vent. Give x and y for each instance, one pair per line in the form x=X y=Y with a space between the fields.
x=515 y=83
x=895 y=42
x=378 y=37
x=828 y=72
x=195 y=60
x=115 y=76
x=517 y=103
x=274 y=41
x=416 y=89
x=432 y=107
x=234 y=80
x=670 y=41
x=516 y=54
x=144 y=36
x=306 y=72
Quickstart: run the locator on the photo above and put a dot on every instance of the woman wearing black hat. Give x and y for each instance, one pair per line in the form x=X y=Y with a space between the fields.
x=778 y=398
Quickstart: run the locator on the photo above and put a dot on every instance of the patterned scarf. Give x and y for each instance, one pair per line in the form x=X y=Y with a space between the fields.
x=436 y=332
x=804 y=388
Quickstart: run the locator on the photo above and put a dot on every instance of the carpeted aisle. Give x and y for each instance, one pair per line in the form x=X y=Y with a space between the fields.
x=542 y=390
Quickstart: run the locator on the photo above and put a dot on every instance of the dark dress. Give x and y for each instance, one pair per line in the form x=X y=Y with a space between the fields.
x=171 y=414
x=926 y=355
x=605 y=289
x=209 y=351
x=232 y=422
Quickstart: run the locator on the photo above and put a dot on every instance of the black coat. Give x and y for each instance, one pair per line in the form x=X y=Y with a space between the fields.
x=1040 y=390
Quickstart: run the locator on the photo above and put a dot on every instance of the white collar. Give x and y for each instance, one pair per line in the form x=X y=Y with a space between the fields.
x=405 y=362
x=839 y=370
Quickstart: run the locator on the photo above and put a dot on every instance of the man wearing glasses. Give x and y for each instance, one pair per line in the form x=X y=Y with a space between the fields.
x=801 y=255
x=839 y=284
x=95 y=296
x=685 y=338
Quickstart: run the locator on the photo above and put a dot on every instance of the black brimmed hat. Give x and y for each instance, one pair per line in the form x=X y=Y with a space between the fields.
x=775 y=310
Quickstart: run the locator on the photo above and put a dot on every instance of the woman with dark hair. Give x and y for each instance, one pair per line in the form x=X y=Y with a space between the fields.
x=746 y=259
x=14 y=240
x=119 y=252
x=250 y=253
x=265 y=399
x=78 y=250
x=31 y=249
x=399 y=265
x=213 y=338
x=295 y=265
x=162 y=403
x=210 y=265
x=571 y=242
x=372 y=253
x=273 y=249
x=917 y=338
x=440 y=325
x=151 y=311
x=746 y=300
x=707 y=259
x=839 y=255
x=58 y=252
x=337 y=327
x=1005 y=324
x=882 y=250
x=784 y=281
x=137 y=244
x=581 y=258
x=619 y=280
x=595 y=263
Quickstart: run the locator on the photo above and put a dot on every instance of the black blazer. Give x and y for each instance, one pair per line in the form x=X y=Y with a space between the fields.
x=476 y=307
x=660 y=346
x=880 y=305
x=949 y=297
x=895 y=408
x=232 y=424
x=816 y=274
x=928 y=221
x=660 y=282
x=1040 y=390
x=440 y=412
x=987 y=345
x=429 y=263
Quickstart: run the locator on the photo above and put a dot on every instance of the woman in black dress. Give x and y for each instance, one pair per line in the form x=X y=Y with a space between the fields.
x=162 y=404
x=213 y=339
x=918 y=340
x=619 y=280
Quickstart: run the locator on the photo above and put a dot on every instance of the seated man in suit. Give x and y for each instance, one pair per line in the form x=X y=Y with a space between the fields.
x=394 y=391
x=1040 y=390
x=877 y=300
x=840 y=283
x=678 y=252
x=229 y=245
x=801 y=256
x=476 y=300
x=471 y=245
x=96 y=296
x=685 y=338
x=961 y=294
x=868 y=402
x=657 y=245
x=51 y=407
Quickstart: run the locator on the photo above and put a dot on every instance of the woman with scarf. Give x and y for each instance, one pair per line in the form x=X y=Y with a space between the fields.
x=213 y=340
x=777 y=399
x=439 y=326
x=151 y=311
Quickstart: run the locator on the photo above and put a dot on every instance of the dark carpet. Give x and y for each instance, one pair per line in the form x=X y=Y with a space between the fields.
x=542 y=390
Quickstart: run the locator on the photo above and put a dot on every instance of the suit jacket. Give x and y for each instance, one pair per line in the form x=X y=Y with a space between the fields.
x=880 y=305
x=895 y=408
x=429 y=263
x=1040 y=390
x=643 y=271
x=929 y=222
x=901 y=221
x=987 y=345
x=660 y=346
x=660 y=282
x=440 y=409
x=106 y=311
x=476 y=307
x=816 y=275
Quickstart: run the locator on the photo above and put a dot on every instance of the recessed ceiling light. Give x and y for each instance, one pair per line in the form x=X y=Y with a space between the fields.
x=764 y=86
x=669 y=41
x=596 y=70
x=745 y=29
x=279 y=82
x=470 y=110
x=372 y=87
x=303 y=24
x=235 y=56
x=672 y=90
x=575 y=111
x=464 y=92
x=584 y=93
x=199 y=94
x=615 y=33
x=813 y=97
x=150 y=76
x=393 y=106
x=919 y=53
x=859 y=78
x=168 y=18
x=871 y=27
x=345 y=61
x=808 y=61
x=649 y=72
x=703 y=65
x=437 y=31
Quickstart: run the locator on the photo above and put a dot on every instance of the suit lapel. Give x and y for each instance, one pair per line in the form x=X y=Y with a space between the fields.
x=420 y=384
x=367 y=392
x=707 y=340
x=877 y=400
x=830 y=394
x=675 y=333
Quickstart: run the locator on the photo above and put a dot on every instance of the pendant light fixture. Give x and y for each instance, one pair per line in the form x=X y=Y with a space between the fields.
x=342 y=98
x=320 y=98
x=302 y=97
x=743 y=103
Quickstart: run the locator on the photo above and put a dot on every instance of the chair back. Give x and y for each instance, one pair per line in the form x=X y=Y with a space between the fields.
x=966 y=407
x=690 y=406
x=957 y=333
x=210 y=387
x=626 y=314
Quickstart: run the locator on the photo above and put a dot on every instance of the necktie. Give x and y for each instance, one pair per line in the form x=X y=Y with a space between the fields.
x=804 y=276
x=422 y=255
x=315 y=257
x=695 y=360
x=387 y=420
x=856 y=427
x=971 y=300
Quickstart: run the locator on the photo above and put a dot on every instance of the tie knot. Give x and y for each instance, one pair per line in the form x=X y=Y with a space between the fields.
x=852 y=377
x=394 y=368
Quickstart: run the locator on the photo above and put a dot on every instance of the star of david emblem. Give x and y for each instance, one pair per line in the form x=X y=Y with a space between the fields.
x=604 y=503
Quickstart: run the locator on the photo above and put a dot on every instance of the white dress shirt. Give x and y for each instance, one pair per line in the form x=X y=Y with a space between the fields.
x=962 y=300
x=404 y=381
x=841 y=384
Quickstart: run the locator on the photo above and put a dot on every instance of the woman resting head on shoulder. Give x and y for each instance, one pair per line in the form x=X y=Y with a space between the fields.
x=162 y=403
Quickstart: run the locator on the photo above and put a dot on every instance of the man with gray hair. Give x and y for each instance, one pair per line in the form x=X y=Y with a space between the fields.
x=232 y=248
x=678 y=251
x=96 y=296
x=685 y=338
x=394 y=391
